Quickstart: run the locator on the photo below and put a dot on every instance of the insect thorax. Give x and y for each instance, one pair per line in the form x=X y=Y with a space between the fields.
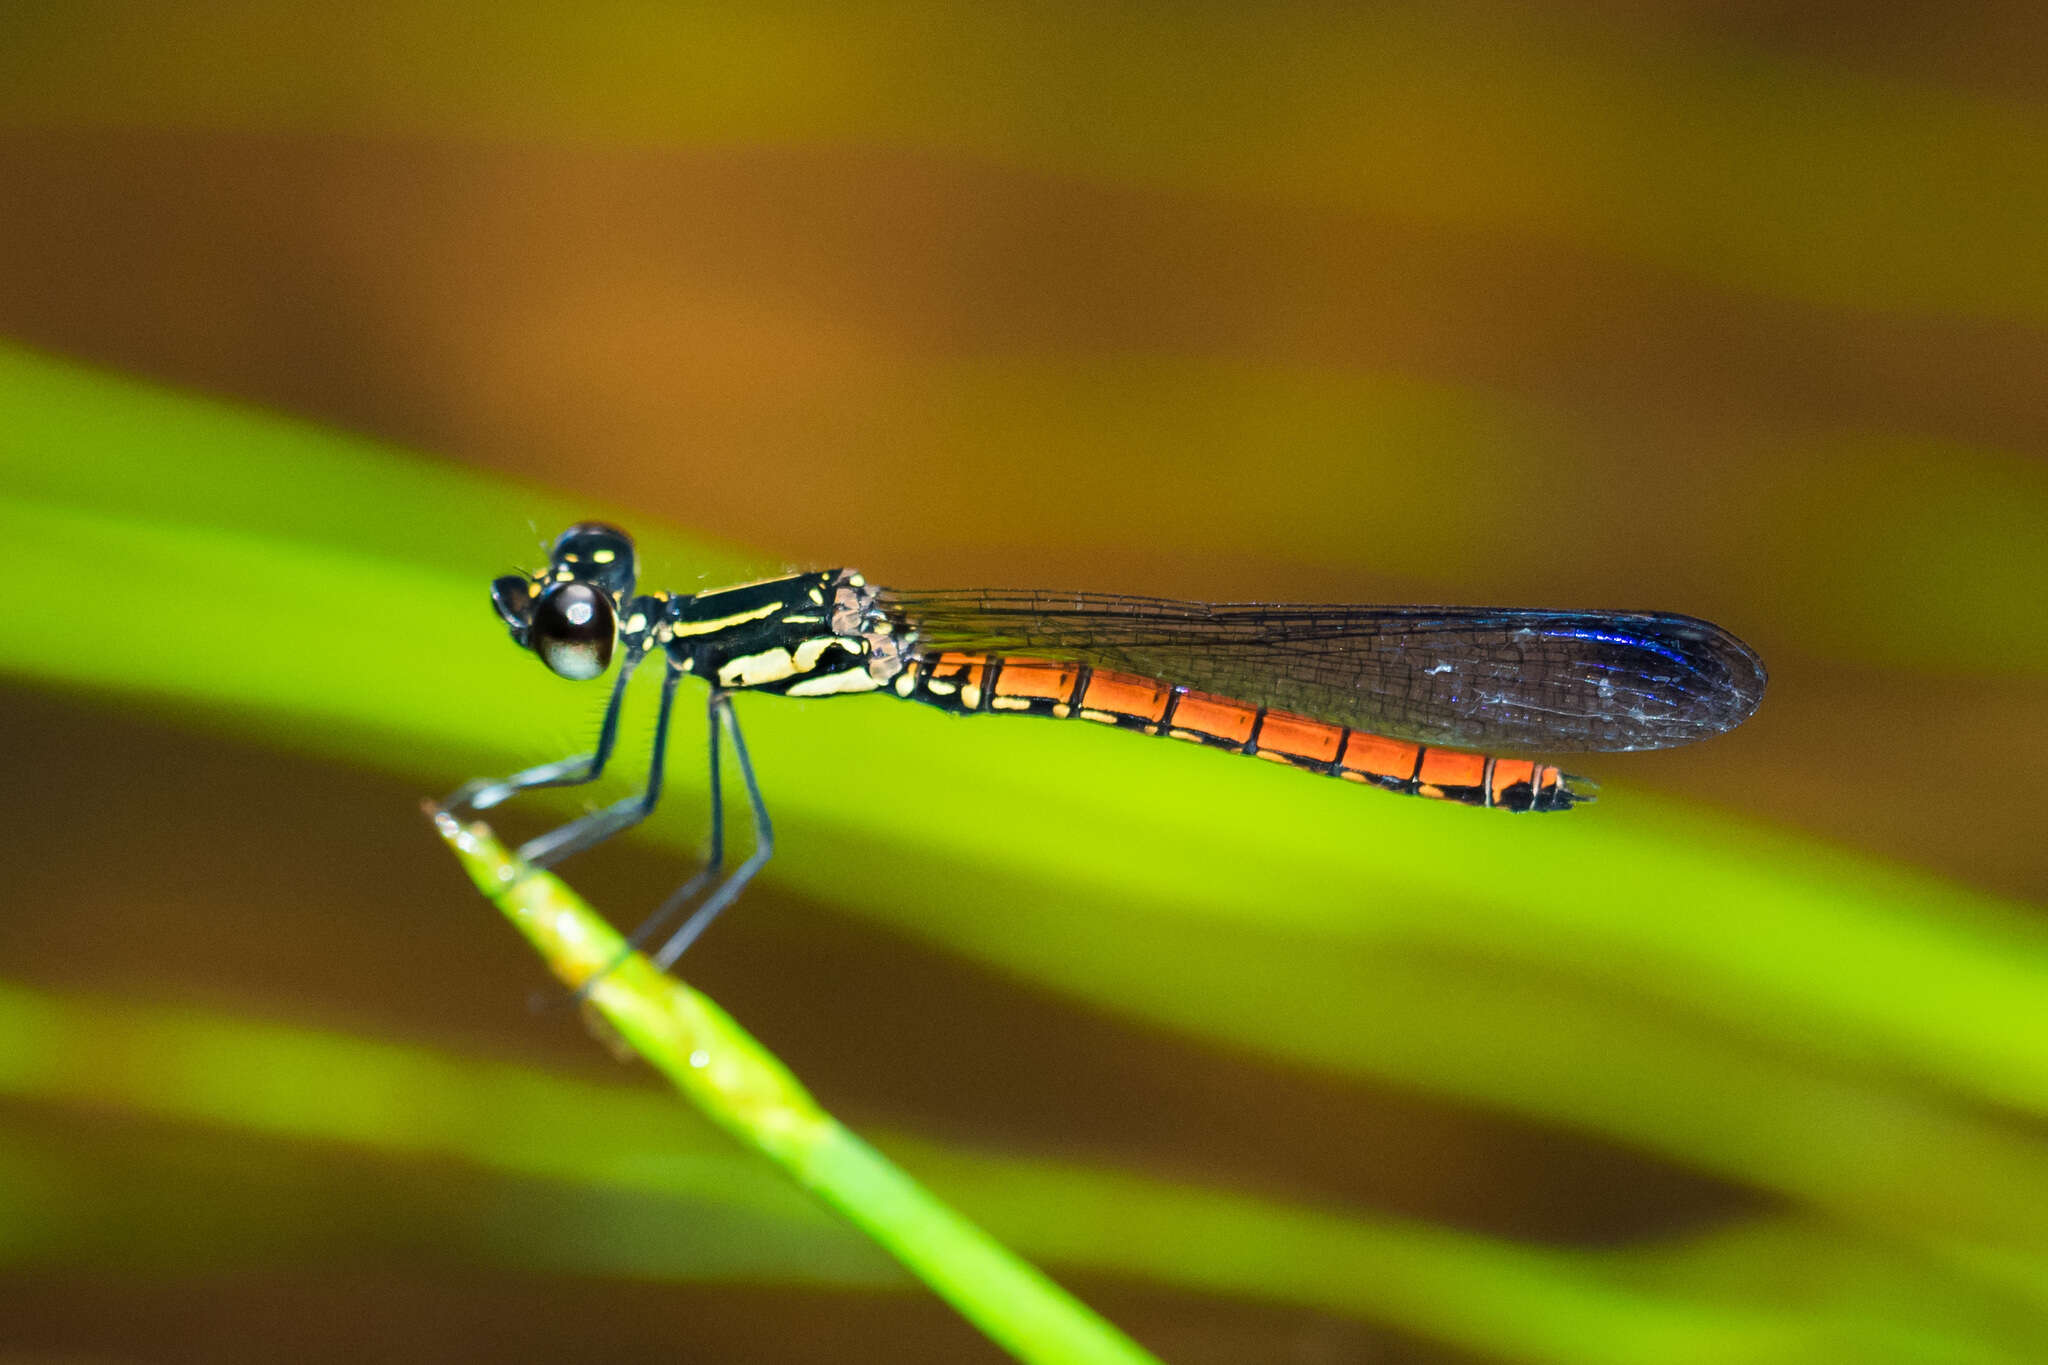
x=808 y=635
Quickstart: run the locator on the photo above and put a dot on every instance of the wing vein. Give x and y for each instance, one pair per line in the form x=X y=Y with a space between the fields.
x=1506 y=680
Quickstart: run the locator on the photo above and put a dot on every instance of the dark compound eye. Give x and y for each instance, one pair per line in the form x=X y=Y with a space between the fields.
x=512 y=595
x=573 y=630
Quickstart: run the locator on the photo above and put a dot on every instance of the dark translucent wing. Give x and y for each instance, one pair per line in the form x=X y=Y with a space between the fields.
x=1502 y=680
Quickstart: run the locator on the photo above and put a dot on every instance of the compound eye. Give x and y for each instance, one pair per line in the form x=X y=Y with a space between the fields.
x=512 y=595
x=573 y=630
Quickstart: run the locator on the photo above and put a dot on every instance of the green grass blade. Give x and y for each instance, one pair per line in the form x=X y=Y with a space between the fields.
x=742 y=1088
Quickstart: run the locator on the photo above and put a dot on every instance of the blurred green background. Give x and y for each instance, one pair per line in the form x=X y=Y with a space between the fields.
x=311 y=322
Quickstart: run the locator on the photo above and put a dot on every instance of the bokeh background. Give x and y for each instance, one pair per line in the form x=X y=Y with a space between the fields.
x=315 y=319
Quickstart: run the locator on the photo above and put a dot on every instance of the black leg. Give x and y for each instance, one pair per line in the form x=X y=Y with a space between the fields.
x=548 y=849
x=728 y=890
x=724 y=892
x=720 y=705
x=566 y=772
x=689 y=889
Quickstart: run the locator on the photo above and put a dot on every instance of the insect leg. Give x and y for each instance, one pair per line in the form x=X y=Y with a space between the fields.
x=688 y=890
x=483 y=794
x=548 y=849
x=729 y=889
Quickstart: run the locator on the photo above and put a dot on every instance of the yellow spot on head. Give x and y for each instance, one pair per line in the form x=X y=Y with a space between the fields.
x=603 y=556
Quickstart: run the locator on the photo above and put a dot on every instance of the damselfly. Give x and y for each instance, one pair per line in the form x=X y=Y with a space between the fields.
x=1452 y=703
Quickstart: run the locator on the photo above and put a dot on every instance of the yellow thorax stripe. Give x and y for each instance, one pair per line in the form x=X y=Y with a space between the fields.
x=688 y=628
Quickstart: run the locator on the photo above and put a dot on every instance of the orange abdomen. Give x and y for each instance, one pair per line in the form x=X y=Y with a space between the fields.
x=975 y=683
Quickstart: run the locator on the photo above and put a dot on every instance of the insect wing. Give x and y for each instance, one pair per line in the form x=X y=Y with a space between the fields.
x=1501 y=680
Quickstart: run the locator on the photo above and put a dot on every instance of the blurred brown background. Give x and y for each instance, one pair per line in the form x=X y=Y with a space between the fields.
x=1117 y=350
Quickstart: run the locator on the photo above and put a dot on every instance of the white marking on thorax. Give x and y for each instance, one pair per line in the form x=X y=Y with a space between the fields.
x=828 y=684
x=810 y=651
x=770 y=665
